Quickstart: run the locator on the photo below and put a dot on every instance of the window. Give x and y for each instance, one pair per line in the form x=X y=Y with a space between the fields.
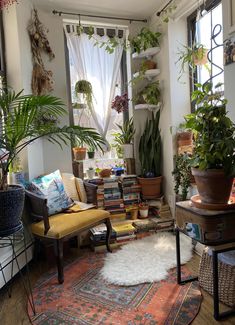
x=105 y=72
x=201 y=31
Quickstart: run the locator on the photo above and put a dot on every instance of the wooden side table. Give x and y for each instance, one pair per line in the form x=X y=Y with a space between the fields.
x=211 y=228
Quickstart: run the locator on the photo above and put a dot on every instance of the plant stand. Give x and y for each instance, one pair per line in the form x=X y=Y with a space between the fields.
x=11 y=241
x=130 y=166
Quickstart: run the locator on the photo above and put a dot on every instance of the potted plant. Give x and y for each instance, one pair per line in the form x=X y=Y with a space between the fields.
x=213 y=158
x=150 y=155
x=143 y=210
x=120 y=103
x=124 y=138
x=90 y=172
x=19 y=128
x=182 y=175
x=192 y=56
x=151 y=94
x=91 y=152
x=144 y=40
x=84 y=88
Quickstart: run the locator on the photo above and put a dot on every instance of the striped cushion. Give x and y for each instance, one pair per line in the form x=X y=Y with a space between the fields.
x=81 y=189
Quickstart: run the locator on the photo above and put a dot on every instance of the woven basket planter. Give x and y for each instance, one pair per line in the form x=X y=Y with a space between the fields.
x=226 y=279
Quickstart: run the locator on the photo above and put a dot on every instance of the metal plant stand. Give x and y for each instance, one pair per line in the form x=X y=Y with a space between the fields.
x=11 y=241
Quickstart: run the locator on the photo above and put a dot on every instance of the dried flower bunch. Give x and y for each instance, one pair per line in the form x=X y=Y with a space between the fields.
x=120 y=103
x=42 y=81
x=6 y=3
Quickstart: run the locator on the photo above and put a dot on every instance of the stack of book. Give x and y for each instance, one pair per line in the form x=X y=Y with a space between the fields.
x=130 y=191
x=113 y=201
x=100 y=191
x=165 y=212
x=124 y=232
x=153 y=224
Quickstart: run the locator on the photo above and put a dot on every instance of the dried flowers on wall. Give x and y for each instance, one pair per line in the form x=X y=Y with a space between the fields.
x=6 y=3
x=42 y=81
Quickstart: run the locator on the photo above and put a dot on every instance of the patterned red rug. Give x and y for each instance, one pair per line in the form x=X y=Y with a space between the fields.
x=86 y=299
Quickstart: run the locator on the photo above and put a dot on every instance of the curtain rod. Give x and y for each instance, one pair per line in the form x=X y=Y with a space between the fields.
x=160 y=11
x=55 y=12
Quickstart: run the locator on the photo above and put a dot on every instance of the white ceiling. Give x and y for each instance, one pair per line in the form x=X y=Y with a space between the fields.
x=140 y=9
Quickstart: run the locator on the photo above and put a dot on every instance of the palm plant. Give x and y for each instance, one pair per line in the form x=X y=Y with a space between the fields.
x=20 y=117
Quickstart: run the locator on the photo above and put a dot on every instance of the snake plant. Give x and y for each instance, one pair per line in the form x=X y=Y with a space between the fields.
x=150 y=147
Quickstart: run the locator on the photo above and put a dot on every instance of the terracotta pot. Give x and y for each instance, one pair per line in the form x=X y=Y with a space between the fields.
x=105 y=172
x=150 y=187
x=149 y=64
x=213 y=185
x=184 y=138
x=79 y=153
x=134 y=213
x=201 y=57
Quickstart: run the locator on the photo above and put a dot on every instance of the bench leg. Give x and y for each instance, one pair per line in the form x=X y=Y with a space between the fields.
x=58 y=245
x=108 y=236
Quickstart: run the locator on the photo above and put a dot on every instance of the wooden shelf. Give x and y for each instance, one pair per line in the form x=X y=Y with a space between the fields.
x=147 y=53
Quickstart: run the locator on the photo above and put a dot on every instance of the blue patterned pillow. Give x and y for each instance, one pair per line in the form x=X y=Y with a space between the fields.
x=51 y=186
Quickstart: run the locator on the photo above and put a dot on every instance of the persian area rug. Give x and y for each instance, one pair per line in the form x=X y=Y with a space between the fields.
x=145 y=260
x=86 y=298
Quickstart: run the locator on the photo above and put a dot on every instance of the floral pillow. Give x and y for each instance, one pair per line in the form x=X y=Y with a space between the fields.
x=51 y=186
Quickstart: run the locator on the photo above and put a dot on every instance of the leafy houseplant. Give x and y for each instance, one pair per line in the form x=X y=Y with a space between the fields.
x=192 y=56
x=214 y=142
x=120 y=103
x=182 y=175
x=19 y=128
x=145 y=39
x=124 y=138
x=150 y=95
x=150 y=155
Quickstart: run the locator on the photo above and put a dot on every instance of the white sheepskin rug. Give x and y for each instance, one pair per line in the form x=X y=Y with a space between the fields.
x=145 y=260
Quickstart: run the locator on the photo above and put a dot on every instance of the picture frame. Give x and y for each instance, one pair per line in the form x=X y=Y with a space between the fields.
x=231 y=16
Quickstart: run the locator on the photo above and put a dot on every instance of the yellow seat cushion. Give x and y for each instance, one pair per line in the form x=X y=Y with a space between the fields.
x=63 y=224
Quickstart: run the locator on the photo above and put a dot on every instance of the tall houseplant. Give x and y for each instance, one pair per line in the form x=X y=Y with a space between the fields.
x=145 y=39
x=20 y=117
x=150 y=155
x=213 y=159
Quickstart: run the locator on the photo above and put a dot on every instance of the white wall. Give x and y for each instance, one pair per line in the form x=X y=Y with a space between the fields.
x=19 y=70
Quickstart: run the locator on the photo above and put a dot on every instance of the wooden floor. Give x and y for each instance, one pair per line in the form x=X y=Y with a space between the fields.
x=13 y=310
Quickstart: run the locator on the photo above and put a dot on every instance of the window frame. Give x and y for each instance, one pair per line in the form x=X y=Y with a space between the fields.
x=2 y=49
x=191 y=28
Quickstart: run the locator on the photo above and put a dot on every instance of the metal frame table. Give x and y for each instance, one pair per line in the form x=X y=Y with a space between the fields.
x=217 y=246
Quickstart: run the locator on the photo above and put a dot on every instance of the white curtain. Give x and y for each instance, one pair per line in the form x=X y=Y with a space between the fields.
x=101 y=69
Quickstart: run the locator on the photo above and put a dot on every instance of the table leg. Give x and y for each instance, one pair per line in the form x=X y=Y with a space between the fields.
x=178 y=261
x=215 y=284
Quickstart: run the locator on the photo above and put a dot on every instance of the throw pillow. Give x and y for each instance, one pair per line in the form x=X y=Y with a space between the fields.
x=70 y=186
x=51 y=186
x=81 y=189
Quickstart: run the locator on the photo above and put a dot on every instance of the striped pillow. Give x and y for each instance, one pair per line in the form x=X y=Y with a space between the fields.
x=81 y=189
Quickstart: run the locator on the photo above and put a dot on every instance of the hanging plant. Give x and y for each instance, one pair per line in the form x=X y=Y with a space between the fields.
x=84 y=87
x=42 y=81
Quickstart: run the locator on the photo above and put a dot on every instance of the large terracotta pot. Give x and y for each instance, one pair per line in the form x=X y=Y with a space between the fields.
x=79 y=153
x=213 y=185
x=184 y=138
x=150 y=187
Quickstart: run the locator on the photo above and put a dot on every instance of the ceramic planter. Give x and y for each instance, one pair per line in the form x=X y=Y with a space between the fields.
x=90 y=173
x=11 y=208
x=128 y=151
x=144 y=210
x=91 y=154
x=213 y=185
